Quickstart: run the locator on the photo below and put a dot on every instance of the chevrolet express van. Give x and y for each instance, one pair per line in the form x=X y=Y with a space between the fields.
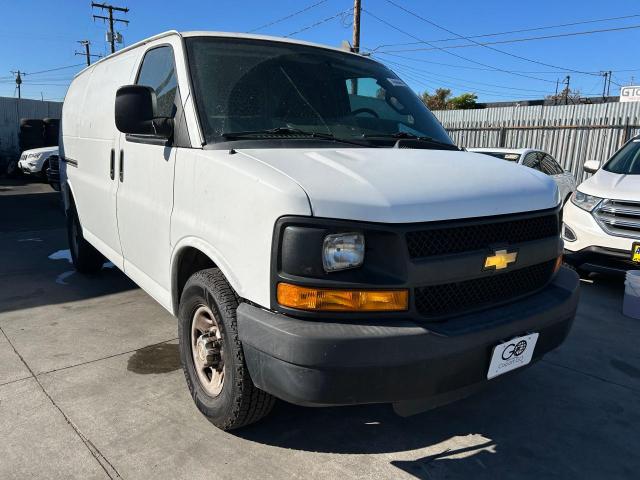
x=311 y=225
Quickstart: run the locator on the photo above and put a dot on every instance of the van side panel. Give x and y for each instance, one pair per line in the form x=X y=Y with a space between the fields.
x=89 y=135
x=226 y=205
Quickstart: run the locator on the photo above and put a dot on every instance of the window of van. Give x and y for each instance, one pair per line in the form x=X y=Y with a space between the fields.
x=246 y=85
x=158 y=71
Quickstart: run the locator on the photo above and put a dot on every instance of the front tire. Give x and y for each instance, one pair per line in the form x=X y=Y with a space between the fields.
x=212 y=356
x=85 y=258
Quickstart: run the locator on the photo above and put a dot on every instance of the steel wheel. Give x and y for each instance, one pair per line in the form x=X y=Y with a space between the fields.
x=207 y=351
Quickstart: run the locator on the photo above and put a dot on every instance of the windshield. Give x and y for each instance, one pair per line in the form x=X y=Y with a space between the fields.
x=511 y=157
x=244 y=85
x=626 y=161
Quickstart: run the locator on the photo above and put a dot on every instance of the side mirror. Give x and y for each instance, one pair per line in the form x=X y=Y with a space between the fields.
x=135 y=112
x=591 y=166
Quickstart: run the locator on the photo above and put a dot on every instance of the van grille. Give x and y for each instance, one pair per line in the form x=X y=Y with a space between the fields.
x=619 y=217
x=459 y=297
x=465 y=238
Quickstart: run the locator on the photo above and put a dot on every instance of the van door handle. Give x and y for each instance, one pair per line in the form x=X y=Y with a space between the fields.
x=121 y=165
x=112 y=164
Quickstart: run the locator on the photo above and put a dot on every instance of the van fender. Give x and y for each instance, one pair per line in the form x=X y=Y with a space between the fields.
x=210 y=251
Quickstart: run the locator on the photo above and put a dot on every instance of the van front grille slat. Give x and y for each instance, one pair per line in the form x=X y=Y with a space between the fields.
x=447 y=240
x=460 y=297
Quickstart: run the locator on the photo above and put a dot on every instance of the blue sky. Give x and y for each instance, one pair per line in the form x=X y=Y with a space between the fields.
x=39 y=35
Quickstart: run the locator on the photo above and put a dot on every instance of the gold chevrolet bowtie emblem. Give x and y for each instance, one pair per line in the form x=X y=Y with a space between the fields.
x=500 y=259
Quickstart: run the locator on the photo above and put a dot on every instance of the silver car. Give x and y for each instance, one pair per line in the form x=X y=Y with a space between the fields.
x=538 y=160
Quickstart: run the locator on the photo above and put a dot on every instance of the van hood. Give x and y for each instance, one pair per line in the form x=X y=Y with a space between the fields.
x=409 y=185
x=612 y=185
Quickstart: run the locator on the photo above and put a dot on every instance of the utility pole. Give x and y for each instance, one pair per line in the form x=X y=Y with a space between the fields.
x=111 y=20
x=604 y=87
x=18 y=81
x=609 y=84
x=555 y=97
x=87 y=51
x=356 y=25
x=566 y=81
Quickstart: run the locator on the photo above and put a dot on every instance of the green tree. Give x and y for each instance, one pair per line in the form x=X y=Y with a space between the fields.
x=437 y=101
x=463 y=102
x=442 y=100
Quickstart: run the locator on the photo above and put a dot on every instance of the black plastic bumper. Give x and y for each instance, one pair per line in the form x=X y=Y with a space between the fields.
x=329 y=363
x=600 y=259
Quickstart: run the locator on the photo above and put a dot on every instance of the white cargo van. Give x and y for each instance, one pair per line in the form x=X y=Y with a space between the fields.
x=311 y=225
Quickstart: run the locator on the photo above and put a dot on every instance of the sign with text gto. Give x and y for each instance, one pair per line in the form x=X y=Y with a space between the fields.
x=630 y=94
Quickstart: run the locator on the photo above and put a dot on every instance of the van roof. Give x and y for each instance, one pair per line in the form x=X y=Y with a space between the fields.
x=212 y=34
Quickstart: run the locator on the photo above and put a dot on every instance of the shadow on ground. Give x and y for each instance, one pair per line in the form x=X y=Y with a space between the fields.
x=32 y=228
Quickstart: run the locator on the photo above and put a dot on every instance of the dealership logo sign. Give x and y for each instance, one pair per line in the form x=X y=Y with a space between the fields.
x=630 y=94
x=514 y=349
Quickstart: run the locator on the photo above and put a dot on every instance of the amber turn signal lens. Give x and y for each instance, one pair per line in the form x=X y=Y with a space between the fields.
x=324 y=299
x=558 y=264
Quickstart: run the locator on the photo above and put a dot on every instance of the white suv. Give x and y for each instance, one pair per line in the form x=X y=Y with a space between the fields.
x=36 y=160
x=310 y=223
x=602 y=222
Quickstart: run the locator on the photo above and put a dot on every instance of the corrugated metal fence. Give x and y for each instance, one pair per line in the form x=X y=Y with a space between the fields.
x=11 y=111
x=571 y=133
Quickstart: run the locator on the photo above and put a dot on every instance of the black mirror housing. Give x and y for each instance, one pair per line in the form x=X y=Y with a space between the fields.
x=135 y=112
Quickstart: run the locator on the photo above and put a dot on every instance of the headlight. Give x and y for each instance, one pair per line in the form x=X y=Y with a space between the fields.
x=584 y=201
x=342 y=251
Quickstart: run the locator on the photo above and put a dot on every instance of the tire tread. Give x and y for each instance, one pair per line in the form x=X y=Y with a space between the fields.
x=250 y=404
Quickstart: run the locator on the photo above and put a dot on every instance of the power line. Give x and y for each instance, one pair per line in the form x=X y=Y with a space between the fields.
x=391 y=2
x=466 y=80
x=489 y=93
x=522 y=30
x=55 y=69
x=468 y=67
x=612 y=81
x=287 y=17
x=448 y=83
x=498 y=69
x=320 y=22
x=410 y=72
x=519 y=40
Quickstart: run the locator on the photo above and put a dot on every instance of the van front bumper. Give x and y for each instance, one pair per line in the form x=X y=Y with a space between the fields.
x=321 y=363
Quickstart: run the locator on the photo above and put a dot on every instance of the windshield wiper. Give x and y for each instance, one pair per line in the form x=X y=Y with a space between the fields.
x=411 y=136
x=291 y=131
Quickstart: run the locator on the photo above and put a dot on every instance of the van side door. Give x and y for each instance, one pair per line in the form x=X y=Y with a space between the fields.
x=145 y=174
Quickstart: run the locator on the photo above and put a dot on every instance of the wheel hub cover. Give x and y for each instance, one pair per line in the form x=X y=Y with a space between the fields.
x=208 y=349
